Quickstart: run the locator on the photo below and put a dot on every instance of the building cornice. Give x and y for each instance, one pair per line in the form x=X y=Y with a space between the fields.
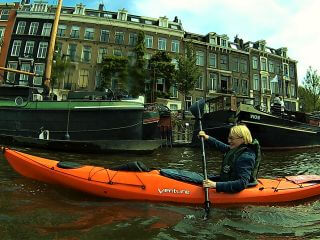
x=215 y=47
x=37 y=15
x=267 y=54
x=119 y=23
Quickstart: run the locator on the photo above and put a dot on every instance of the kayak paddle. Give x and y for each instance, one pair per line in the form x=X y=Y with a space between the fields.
x=195 y=110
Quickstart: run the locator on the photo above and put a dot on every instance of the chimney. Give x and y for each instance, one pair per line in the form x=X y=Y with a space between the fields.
x=101 y=7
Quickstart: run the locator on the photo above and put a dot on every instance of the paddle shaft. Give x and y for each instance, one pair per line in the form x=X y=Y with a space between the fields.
x=204 y=164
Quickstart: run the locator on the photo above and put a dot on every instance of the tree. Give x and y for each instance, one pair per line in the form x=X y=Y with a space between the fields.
x=114 y=67
x=161 y=68
x=137 y=70
x=59 y=67
x=305 y=99
x=188 y=72
x=312 y=85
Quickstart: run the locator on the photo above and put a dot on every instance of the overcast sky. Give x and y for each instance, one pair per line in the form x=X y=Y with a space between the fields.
x=282 y=23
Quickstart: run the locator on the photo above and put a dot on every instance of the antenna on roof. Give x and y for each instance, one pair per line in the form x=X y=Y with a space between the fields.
x=101 y=6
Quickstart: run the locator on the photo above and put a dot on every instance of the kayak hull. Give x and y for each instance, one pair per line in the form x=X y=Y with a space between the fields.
x=152 y=186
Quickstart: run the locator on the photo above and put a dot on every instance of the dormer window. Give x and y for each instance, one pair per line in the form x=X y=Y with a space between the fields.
x=163 y=22
x=39 y=7
x=213 y=40
x=262 y=45
x=4 y=14
x=284 y=53
x=122 y=15
x=224 y=42
x=135 y=20
x=80 y=9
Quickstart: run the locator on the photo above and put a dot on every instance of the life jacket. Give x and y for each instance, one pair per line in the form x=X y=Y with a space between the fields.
x=228 y=169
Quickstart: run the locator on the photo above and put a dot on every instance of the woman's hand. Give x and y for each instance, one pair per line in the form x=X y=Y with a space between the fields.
x=203 y=134
x=209 y=184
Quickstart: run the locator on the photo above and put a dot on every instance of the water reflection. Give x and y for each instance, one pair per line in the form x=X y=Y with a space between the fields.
x=33 y=210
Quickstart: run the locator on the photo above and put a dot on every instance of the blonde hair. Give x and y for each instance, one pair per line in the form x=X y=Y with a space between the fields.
x=241 y=131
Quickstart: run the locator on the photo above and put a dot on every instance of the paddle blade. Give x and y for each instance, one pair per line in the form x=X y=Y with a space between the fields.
x=197 y=108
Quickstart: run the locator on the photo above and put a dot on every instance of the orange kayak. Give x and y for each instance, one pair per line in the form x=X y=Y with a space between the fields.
x=152 y=186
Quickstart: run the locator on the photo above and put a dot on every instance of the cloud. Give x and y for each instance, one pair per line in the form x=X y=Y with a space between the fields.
x=282 y=23
x=302 y=37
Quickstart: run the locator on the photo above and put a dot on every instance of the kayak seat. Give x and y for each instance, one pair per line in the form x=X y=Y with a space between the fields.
x=69 y=165
x=182 y=175
x=136 y=166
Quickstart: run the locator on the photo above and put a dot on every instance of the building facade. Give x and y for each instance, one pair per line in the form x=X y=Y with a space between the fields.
x=29 y=44
x=7 y=19
x=86 y=36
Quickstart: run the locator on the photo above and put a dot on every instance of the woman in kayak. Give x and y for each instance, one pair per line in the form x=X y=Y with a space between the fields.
x=240 y=163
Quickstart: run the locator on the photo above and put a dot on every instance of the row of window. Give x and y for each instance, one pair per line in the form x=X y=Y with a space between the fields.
x=119 y=37
x=26 y=66
x=242 y=86
x=273 y=85
x=273 y=67
x=39 y=69
x=86 y=54
x=238 y=86
x=238 y=65
x=29 y=49
x=33 y=28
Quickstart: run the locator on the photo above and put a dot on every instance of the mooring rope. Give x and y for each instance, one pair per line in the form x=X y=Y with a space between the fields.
x=85 y=130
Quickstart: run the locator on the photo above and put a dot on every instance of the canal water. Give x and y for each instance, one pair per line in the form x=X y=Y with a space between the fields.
x=34 y=210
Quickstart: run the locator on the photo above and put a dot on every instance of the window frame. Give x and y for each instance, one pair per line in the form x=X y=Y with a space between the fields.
x=89 y=33
x=21 y=27
x=62 y=28
x=104 y=35
x=83 y=80
x=86 y=55
x=75 y=32
x=23 y=78
x=148 y=40
x=119 y=37
x=199 y=58
x=16 y=47
x=175 y=46
x=162 y=44
x=33 y=29
x=133 y=39
x=72 y=50
x=28 y=50
x=213 y=60
x=42 y=49
x=102 y=52
x=12 y=65
x=46 y=29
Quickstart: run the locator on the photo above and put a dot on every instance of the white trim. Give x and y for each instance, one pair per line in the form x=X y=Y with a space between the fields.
x=287 y=128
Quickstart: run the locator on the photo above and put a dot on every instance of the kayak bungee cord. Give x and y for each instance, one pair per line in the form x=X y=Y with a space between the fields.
x=90 y=174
